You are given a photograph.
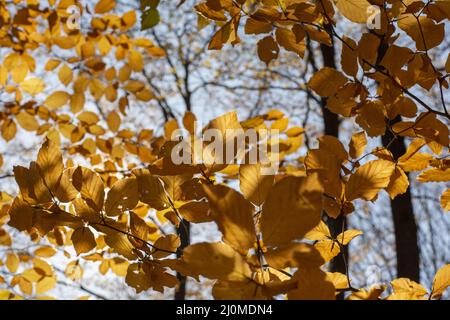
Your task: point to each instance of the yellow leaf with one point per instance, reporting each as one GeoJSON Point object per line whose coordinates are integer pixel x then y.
{"type": "Point", "coordinates": [77, 101]}
{"type": "Point", "coordinates": [90, 185]}
{"type": "Point", "coordinates": [398, 184]}
{"type": "Point", "coordinates": [104, 6]}
{"type": "Point", "coordinates": [312, 284]}
{"type": "Point", "coordinates": [32, 86]}
{"type": "Point", "coordinates": [12, 262]}
{"type": "Point", "coordinates": [120, 243]}
{"type": "Point", "coordinates": [113, 121]}
{"type": "Point", "coordinates": [50, 164]}
{"type": "Point", "coordinates": [327, 81]}
{"type": "Point", "coordinates": [9, 129]}
{"type": "Point", "coordinates": [354, 10]}
{"type": "Point", "coordinates": [122, 196]}
{"type": "Point", "coordinates": [405, 289]}
{"type": "Point", "coordinates": [66, 192]}
{"type": "Point", "coordinates": [424, 31]}
{"type": "Point", "coordinates": [139, 227]}
{"type": "Point", "coordinates": [369, 179]}
{"type": "Point", "coordinates": [441, 282]}
{"type": "Point", "coordinates": [268, 49]}
{"type": "Point", "coordinates": [136, 61]}
{"type": "Point", "coordinates": [357, 145]}
{"type": "Point", "coordinates": [151, 189]}
{"type": "Point", "coordinates": [46, 284]}
{"type": "Point", "coordinates": [295, 255]}
{"type": "Point", "coordinates": [253, 26]}
{"type": "Point", "coordinates": [347, 236]}
{"type": "Point", "coordinates": [170, 243]}
{"type": "Point", "coordinates": [286, 39]}
{"type": "Point", "coordinates": [233, 215]}
{"type": "Point", "coordinates": [434, 175]}
{"type": "Point", "coordinates": [254, 184]}
{"type": "Point", "coordinates": [216, 261]}
{"type": "Point", "coordinates": [27, 121]}
{"type": "Point", "coordinates": [349, 60]}
{"type": "Point", "coordinates": [445, 200]}
{"type": "Point", "coordinates": [196, 212]}
{"type": "Point", "coordinates": [83, 240]}
{"type": "Point", "coordinates": [45, 252]}
{"type": "Point", "coordinates": [292, 208]}
{"type": "Point", "coordinates": [57, 99]}
{"type": "Point", "coordinates": [65, 75]}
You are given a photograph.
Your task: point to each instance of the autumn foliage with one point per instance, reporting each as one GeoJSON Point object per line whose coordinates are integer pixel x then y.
{"type": "Point", "coordinates": [97, 186]}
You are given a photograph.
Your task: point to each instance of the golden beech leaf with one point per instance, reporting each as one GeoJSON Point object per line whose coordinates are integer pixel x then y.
{"type": "Point", "coordinates": [32, 86]}
{"type": "Point", "coordinates": [113, 120]}
{"type": "Point", "coordinates": [104, 6]}
{"type": "Point", "coordinates": [357, 145]}
{"type": "Point", "coordinates": [90, 185]}
{"type": "Point", "coordinates": [169, 243]}
{"type": "Point", "coordinates": [295, 255]}
{"type": "Point", "coordinates": [12, 262]}
{"type": "Point", "coordinates": [320, 232]}
{"type": "Point", "coordinates": [196, 212]}
{"type": "Point", "coordinates": [65, 75]}
{"type": "Point", "coordinates": [434, 175]}
{"type": "Point", "coordinates": [120, 243]}
{"type": "Point", "coordinates": [254, 184]}
{"type": "Point", "coordinates": [66, 192]}
{"type": "Point", "coordinates": [345, 237]}
{"type": "Point", "coordinates": [233, 215]}
{"type": "Point", "coordinates": [398, 184]}
{"type": "Point", "coordinates": [405, 289]}
{"type": "Point", "coordinates": [45, 252]}
{"type": "Point", "coordinates": [268, 49]}
{"type": "Point", "coordinates": [27, 121]}
{"type": "Point", "coordinates": [136, 61]}
{"type": "Point", "coordinates": [57, 99]}
{"type": "Point", "coordinates": [413, 160]}
{"type": "Point", "coordinates": [77, 101]}
{"type": "Point", "coordinates": [373, 293]}
{"type": "Point", "coordinates": [369, 179]}
{"type": "Point", "coordinates": [441, 282]}
{"type": "Point", "coordinates": [286, 39]}
{"type": "Point", "coordinates": [122, 196]}
{"type": "Point", "coordinates": [50, 163]}
{"type": "Point", "coordinates": [151, 189]}
{"type": "Point", "coordinates": [327, 81]}
{"type": "Point", "coordinates": [21, 215]}
{"type": "Point", "coordinates": [9, 129]}
{"type": "Point", "coordinates": [216, 261]}
{"type": "Point", "coordinates": [292, 208]}
{"type": "Point", "coordinates": [354, 10]}
{"type": "Point", "coordinates": [253, 26]}
{"type": "Point", "coordinates": [139, 227]}
{"type": "Point", "coordinates": [445, 200]}
{"type": "Point", "coordinates": [447, 64]}
{"type": "Point", "coordinates": [423, 30]}
{"type": "Point", "coordinates": [83, 240]}
{"type": "Point", "coordinates": [46, 284]}
{"type": "Point", "coordinates": [349, 60]}
{"type": "Point", "coordinates": [312, 284]}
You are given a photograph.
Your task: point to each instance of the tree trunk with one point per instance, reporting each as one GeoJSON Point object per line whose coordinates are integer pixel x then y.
{"type": "Point", "coordinates": [405, 227]}
{"type": "Point", "coordinates": [184, 232]}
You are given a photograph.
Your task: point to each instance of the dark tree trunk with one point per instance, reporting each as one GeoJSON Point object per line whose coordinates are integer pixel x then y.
{"type": "Point", "coordinates": [405, 227]}
{"type": "Point", "coordinates": [184, 232]}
